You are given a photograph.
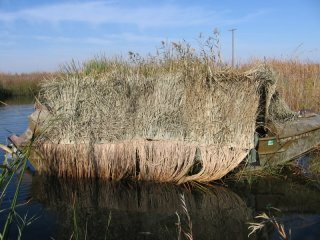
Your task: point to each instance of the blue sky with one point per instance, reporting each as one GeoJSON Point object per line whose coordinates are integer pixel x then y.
{"type": "Point", "coordinates": [41, 35]}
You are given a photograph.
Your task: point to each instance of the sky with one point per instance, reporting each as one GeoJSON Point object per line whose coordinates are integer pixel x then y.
{"type": "Point", "coordinates": [42, 35]}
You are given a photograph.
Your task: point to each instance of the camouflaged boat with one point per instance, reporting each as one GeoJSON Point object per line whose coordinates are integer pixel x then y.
{"type": "Point", "coordinates": [281, 134]}
{"type": "Point", "coordinates": [289, 140]}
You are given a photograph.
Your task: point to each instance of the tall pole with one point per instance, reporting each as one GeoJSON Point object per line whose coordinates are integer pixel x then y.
{"type": "Point", "coordinates": [232, 31]}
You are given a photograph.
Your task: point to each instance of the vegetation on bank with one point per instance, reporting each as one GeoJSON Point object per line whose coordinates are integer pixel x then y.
{"type": "Point", "coordinates": [298, 81]}
{"type": "Point", "coordinates": [12, 170]}
{"type": "Point", "coordinates": [17, 85]}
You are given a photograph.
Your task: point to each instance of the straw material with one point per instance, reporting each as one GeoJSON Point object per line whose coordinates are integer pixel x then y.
{"type": "Point", "coordinates": [273, 107]}
{"type": "Point", "coordinates": [160, 125]}
{"type": "Point", "coordinates": [279, 111]}
{"type": "Point", "coordinates": [161, 161]}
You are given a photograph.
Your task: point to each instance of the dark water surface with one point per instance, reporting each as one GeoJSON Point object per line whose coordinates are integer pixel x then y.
{"type": "Point", "coordinates": [128, 210]}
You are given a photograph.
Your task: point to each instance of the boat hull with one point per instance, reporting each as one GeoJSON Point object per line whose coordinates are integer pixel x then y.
{"type": "Point", "coordinates": [300, 138]}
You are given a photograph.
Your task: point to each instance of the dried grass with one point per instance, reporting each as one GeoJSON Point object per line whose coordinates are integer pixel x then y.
{"type": "Point", "coordinates": [161, 161]}
{"type": "Point", "coordinates": [298, 82]}
{"type": "Point", "coordinates": [175, 117]}
{"type": "Point", "coordinates": [25, 84]}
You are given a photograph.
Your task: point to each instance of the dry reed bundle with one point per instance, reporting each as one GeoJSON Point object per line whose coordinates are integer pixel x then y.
{"type": "Point", "coordinates": [178, 119]}
{"type": "Point", "coordinates": [162, 161]}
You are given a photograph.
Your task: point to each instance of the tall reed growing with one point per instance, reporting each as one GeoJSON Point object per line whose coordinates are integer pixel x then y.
{"type": "Point", "coordinates": [13, 170]}
{"type": "Point", "coordinates": [298, 81]}
{"type": "Point", "coordinates": [24, 84]}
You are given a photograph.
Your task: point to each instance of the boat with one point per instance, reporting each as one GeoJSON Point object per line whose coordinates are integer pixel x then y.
{"type": "Point", "coordinates": [287, 141]}
{"type": "Point", "coordinates": [281, 135]}
{"type": "Point", "coordinates": [278, 143]}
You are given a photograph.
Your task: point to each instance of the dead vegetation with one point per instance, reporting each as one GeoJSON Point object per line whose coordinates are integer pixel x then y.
{"type": "Point", "coordinates": [178, 116]}
{"type": "Point", "coordinates": [298, 81]}
{"type": "Point", "coordinates": [24, 84]}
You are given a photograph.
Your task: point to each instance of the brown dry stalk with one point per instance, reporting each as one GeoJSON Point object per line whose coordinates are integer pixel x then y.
{"type": "Point", "coordinates": [162, 161]}
{"type": "Point", "coordinates": [177, 118]}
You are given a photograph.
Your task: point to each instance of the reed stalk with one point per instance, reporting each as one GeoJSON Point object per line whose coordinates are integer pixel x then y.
{"type": "Point", "coordinates": [177, 116]}
{"type": "Point", "coordinates": [6, 177]}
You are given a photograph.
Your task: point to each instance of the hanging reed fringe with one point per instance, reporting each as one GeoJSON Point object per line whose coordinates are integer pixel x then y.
{"type": "Point", "coordinates": [162, 161]}
{"type": "Point", "coordinates": [175, 119]}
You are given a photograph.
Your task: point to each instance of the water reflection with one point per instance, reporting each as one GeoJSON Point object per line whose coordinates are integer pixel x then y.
{"type": "Point", "coordinates": [297, 200]}
{"type": "Point", "coordinates": [140, 210]}
{"type": "Point", "coordinates": [13, 119]}
{"type": "Point", "coordinates": [147, 211]}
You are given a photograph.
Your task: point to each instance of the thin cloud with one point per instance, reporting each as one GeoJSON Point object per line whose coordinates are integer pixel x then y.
{"type": "Point", "coordinates": [132, 37]}
{"type": "Point", "coordinates": [248, 17]}
{"type": "Point", "coordinates": [103, 40]}
{"type": "Point", "coordinates": [70, 40]}
{"type": "Point", "coordinates": [98, 12]}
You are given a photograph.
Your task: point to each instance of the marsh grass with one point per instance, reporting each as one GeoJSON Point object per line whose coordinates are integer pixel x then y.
{"type": "Point", "coordinates": [250, 174]}
{"type": "Point", "coordinates": [184, 222]}
{"type": "Point", "coordinates": [13, 170]}
{"type": "Point", "coordinates": [25, 84]}
{"type": "Point", "coordinates": [265, 219]}
{"type": "Point", "coordinates": [298, 81]}
{"type": "Point", "coordinates": [80, 229]}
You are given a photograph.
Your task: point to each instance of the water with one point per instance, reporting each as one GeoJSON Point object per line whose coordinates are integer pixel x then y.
{"type": "Point", "coordinates": [129, 210]}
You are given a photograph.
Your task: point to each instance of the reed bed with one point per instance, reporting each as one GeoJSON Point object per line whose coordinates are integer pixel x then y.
{"type": "Point", "coordinates": [178, 116]}
{"type": "Point", "coordinates": [298, 82]}
{"type": "Point", "coordinates": [24, 84]}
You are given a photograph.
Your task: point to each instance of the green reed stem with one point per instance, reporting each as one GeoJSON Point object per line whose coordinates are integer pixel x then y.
{"type": "Point", "coordinates": [14, 201]}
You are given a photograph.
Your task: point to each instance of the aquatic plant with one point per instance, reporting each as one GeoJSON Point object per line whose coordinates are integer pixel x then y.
{"type": "Point", "coordinates": [4, 93]}
{"type": "Point", "coordinates": [24, 84]}
{"type": "Point", "coordinates": [298, 81]}
{"type": "Point", "coordinates": [187, 232]}
{"type": "Point", "coordinates": [269, 219]}
{"type": "Point", "coordinates": [11, 170]}
{"type": "Point", "coordinates": [251, 174]}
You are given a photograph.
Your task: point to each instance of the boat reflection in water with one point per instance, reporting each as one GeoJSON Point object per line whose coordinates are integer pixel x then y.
{"type": "Point", "coordinates": [131, 210]}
